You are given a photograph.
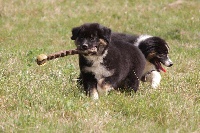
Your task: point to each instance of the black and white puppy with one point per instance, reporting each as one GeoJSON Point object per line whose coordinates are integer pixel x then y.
{"type": "Point", "coordinates": [114, 62]}
{"type": "Point", "coordinates": [155, 50]}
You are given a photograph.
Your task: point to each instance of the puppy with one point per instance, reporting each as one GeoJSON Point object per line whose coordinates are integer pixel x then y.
{"type": "Point", "coordinates": [155, 50]}
{"type": "Point", "coordinates": [114, 62]}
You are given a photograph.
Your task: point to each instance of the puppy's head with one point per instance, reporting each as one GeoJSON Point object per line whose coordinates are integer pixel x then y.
{"type": "Point", "coordinates": [91, 37]}
{"type": "Point", "coordinates": [156, 51]}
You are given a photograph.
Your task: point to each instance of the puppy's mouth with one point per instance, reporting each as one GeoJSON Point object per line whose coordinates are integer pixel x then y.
{"type": "Point", "coordinates": [89, 51]}
{"type": "Point", "coordinates": [159, 66]}
{"type": "Point", "coordinates": [93, 50]}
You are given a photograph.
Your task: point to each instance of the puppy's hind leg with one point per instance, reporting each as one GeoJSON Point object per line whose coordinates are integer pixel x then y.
{"type": "Point", "coordinates": [134, 85]}
{"type": "Point", "coordinates": [132, 82]}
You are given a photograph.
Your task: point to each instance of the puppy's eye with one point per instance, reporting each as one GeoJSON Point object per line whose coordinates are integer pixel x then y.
{"type": "Point", "coordinates": [81, 37]}
{"type": "Point", "coordinates": [92, 39]}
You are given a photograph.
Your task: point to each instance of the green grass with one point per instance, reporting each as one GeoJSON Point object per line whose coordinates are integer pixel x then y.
{"type": "Point", "coordinates": [47, 99]}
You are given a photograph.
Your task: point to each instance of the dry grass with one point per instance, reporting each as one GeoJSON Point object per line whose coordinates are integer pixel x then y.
{"type": "Point", "coordinates": [47, 99]}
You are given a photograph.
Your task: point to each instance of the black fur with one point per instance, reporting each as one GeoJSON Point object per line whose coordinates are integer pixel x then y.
{"type": "Point", "coordinates": [153, 45]}
{"type": "Point", "coordinates": [155, 50]}
{"type": "Point", "coordinates": [122, 61]}
{"type": "Point", "coordinates": [156, 45]}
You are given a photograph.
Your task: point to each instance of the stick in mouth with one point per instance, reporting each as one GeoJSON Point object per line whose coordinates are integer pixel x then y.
{"type": "Point", "coordinates": [42, 58]}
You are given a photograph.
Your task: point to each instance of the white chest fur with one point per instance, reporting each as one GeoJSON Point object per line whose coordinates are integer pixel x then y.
{"type": "Point", "coordinates": [154, 77]}
{"type": "Point", "coordinates": [97, 68]}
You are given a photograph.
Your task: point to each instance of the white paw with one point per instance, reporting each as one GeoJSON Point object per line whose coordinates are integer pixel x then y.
{"type": "Point", "coordinates": [154, 85]}
{"type": "Point", "coordinates": [156, 78]}
{"type": "Point", "coordinates": [94, 95]}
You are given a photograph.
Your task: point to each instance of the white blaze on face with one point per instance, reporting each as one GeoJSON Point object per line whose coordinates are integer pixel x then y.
{"type": "Point", "coordinates": [141, 38]}
{"type": "Point", "coordinates": [167, 47]}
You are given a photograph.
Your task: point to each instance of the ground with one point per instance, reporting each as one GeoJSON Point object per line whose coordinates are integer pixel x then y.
{"type": "Point", "coordinates": [47, 99]}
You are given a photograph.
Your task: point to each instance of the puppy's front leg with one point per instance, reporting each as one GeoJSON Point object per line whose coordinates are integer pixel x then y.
{"type": "Point", "coordinates": [93, 93]}
{"type": "Point", "coordinates": [154, 78]}
{"type": "Point", "coordinates": [104, 86]}
{"type": "Point", "coordinates": [90, 85]}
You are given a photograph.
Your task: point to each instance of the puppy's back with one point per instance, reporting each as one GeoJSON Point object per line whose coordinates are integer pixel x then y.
{"type": "Point", "coordinates": [124, 37]}
{"type": "Point", "coordinates": [128, 58]}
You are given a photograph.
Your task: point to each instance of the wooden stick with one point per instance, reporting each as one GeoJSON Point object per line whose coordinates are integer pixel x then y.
{"type": "Point", "coordinates": [42, 58]}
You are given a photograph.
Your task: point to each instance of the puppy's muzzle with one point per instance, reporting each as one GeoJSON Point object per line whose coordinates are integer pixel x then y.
{"type": "Point", "coordinates": [171, 64]}
{"type": "Point", "coordinates": [85, 46]}
{"type": "Point", "coordinates": [168, 63]}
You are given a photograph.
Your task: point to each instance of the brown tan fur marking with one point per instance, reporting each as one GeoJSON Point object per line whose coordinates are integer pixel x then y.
{"type": "Point", "coordinates": [103, 87]}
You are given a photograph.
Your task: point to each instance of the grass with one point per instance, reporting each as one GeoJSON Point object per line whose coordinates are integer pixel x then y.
{"type": "Point", "coordinates": [47, 99]}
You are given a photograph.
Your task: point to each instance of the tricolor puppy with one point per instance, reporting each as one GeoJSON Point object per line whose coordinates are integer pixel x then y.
{"type": "Point", "coordinates": [114, 62]}
{"type": "Point", "coordinates": [155, 50]}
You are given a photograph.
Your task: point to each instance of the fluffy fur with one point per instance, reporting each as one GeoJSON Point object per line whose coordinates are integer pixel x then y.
{"type": "Point", "coordinates": [155, 50]}
{"type": "Point", "coordinates": [115, 63]}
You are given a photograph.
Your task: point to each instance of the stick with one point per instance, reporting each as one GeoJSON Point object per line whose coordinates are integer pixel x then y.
{"type": "Point", "coordinates": [42, 58]}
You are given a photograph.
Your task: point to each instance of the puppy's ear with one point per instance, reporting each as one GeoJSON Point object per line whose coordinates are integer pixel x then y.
{"type": "Point", "coordinates": [106, 33]}
{"type": "Point", "coordinates": [75, 32]}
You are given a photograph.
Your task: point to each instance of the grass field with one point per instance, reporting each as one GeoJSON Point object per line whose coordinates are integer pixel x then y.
{"type": "Point", "coordinates": [47, 99]}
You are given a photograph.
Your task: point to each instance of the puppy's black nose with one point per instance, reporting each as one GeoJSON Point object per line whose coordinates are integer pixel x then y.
{"type": "Point", "coordinates": [85, 46]}
{"type": "Point", "coordinates": [171, 64]}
